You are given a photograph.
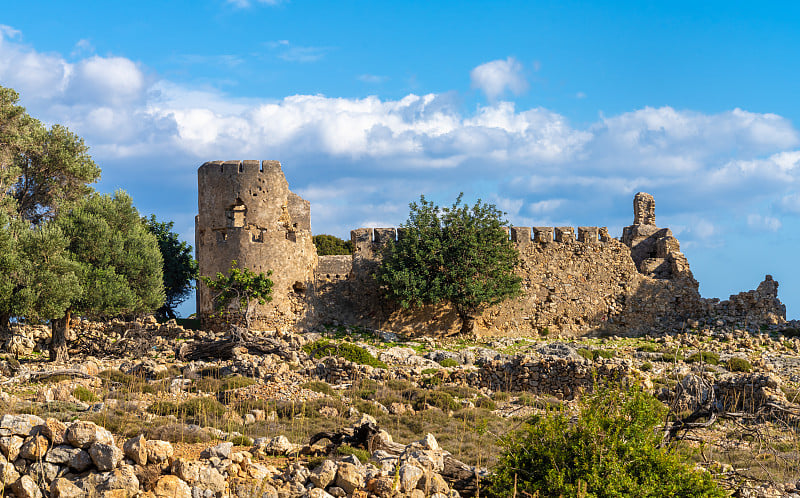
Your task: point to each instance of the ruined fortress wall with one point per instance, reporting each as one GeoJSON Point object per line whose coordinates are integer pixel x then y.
{"type": "Point", "coordinates": [574, 281]}
{"type": "Point", "coordinates": [571, 285]}
{"type": "Point", "coordinates": [248, 214]}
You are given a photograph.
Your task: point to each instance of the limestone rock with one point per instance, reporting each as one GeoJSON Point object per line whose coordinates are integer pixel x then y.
{"type": "Point", "coordinates": [82, 434]}
{"type": "Point", "coordinates": [10, 446]}
{"type": "Point", "coordinates": [349, 477]}
{"type": "Point", "coordinates": [432, 483]}
{"type": "Point", "coordinates": [410, 475]}
{"type": "Point", "coordinates": [159, 451]}
{"type": "Point", "coordinates": [20, 425]}
{"type": "Point", "coordinates": [170, 486]}
{"type": "Point", "coordinates": [34, 448]}
{"type": "Point", "coordinates": [221, 451]}
{"type": "Point", "coordinates": [62, 454]}
{"type": "Point", "coordinates": [135, 448]}
{"type": "Point", "coordinates": [26, 487]}
{"type": "Point", "coordinates": [319, 493]}
{"type": "Point", "coordinates": [324, 474]}
{"type": "Point", "coordinates": [105, 456]}
{"type": "Point", "coordinates": [54, 430]}
{"type": "Point", "coordinates": [64, 488]}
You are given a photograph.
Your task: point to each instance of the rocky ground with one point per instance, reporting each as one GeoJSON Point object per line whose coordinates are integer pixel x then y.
{"type": "Point", "coordinates": [149, 409]}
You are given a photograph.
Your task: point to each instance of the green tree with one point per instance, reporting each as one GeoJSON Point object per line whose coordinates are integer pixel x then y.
{"type": "Point", "coordinates": [119, 265]}
{"type": "Point", "coordinates": [41, 170]}
{"type": "Point", "coordinates": [459, 255]}
{"type": "Point", "coordinates": [180, 268]}
{"type": "Point", "coordinates": [242, 288]}
{"type": "Point", "coordinates": [331, 245]}
{"type": "Point", "coordinates": [610, 449]}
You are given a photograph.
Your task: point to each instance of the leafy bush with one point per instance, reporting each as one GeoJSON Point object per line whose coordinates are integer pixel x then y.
{"type": "Point", "coordinates": [704, 357]}
{"type": "Point", "coordinates": [202, 407]}
{"type": "Point", "coordinates": [486, 403]}
{"type": "Point", "coordinates": [593, 354]}
{"type": "Point", "coordinates": [84, 394]}
{"type": "Point", "coordinates": [346, 449]}
{"type": "Point", "coordinates": [739, 365]}
{"type": "Point", "coordinates": [332, 245]}
{"type": "Point", "coordinates": [163, 408]}
{"type": "Point", "coordinates": [448, 362]}
{"type": "Point", "coordinates": [610, 449]}
{"type": "Point", "coordinates": [319, 387]}
{"type": "Point", "coordinates": [350, 352]}
{"type": "Point", "coordinates": [242, 441]}
{"type": "Point", "coordinates": [646, 366]}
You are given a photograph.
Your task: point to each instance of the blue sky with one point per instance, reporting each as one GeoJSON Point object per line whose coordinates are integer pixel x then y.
{"type": "Point", "coordinates": [558, 112]}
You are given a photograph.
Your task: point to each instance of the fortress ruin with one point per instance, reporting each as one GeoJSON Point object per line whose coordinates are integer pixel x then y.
{"type": "Point", "coordinates": [574, 282]}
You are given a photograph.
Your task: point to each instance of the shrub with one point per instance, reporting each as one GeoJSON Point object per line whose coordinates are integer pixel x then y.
{"type": "Point", "coordinates": [202, 407]}
{"type": "Point", "coordinates": [350, 352]}
{"type": "Point", "coordinates": [163, 408]}
{"type": "Point", "coordinates": [242, 441]}
{"type": "Point", "coordinates": [448, 362]}
{"type": "Point", "coordinates": [704, 357]}
{"type": "Point", "coordinates": [610, 449]}
{"type": "Point", "coordinates": [84, 394]}
{"type": "Point", "coordinates": [319, 387]}
{"type": "Point", "coordinates": [739, 365]}
{"type": "Point", "coordinates": [486, 403]}
{"type": "Point", "coordinates": [648, 348]}
{"type": "Point", "coordinates": [593, 354]}
{"type": "Point", "coordinates": [346, 449]}
{"type": "Point", "coordinates": [646, 367]}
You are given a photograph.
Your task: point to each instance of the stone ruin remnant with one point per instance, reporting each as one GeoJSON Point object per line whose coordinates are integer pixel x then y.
{"type": "Point", "coordinates": [575, 280]}
{"type": "Point", "coordinates": [655, 251]}
{"type": "Point", "coordinates": [248, 214]}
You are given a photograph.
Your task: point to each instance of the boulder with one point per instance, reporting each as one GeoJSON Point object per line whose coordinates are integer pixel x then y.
{"type": "Point", "coordinates": [410, 475]}
{"type": "Point", "coordinates": [54, 430]}
{"type": "Point", "coordinates": [82, 434]}
{"type": "Point", "coordinates": [105, 456]}
{"type": "Point", "coordinates": [20, 425]}
{"type": "Point", "coordinates": [169, 486]}
{"type": "Point", "coordinates": [34, 447]}
{"type": "Point", "coordinates": [159, 451]}
{"type": "Point", "coordinates": [26, 487]}
{"type": "Point", "coordinates": [135, 448]}
{"type": "Point", "coordinates": [349, 477]}
{"type": "Point", "coordinates": [324, 474]}
{"type": "Point", "coordinates": [221, 451]}
{"type": "Point", "coordinates": [10, 446]}
{"type": "Point", "coordinates": [64, 488]}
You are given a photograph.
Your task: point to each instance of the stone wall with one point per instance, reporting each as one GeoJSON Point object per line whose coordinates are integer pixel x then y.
{"type": "Point", "coordinates": [574, 280]}
{"type": "Point", "coordinates": [571, 285]}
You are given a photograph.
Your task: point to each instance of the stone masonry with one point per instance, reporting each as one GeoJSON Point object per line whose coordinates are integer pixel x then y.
{"type": "Point", "coordinates": [574, 281]}
{"type": "Point", "coordinates": [248, 214]}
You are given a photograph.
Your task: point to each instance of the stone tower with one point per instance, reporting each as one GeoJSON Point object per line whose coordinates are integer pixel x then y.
{"type": "Point", "coordinates": [248, 214]}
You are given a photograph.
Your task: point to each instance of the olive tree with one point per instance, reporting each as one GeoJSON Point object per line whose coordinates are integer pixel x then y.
{"type": "Point", "coordinates": [459, 255]}
{"type": "Point", "coordinates": [241, 288]}
{"type": "Point", "coordinates": [118, 263]}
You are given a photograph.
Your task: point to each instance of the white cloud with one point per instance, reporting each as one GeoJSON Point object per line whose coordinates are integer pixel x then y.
{"type": "Point", "coordinates": [496, 77]}
{"type": "Point", "coordinates": [242, 4]}
{"type": "Point", "coordinates": [765, 223]}
{"type": "Point", "coordinates": [297, 53]}
{"type": "Point", "coordinates": [372, 78]}
{"type": "Point", "coordinates": [9, 33]}
{"type": "Point", "coordinates": [384, 152]}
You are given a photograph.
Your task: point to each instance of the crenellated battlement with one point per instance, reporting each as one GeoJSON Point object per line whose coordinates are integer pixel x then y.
{"type": "Point", "coordinates": [244, 167]}
{"type": "Point", "coordinates": [369, 240]}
